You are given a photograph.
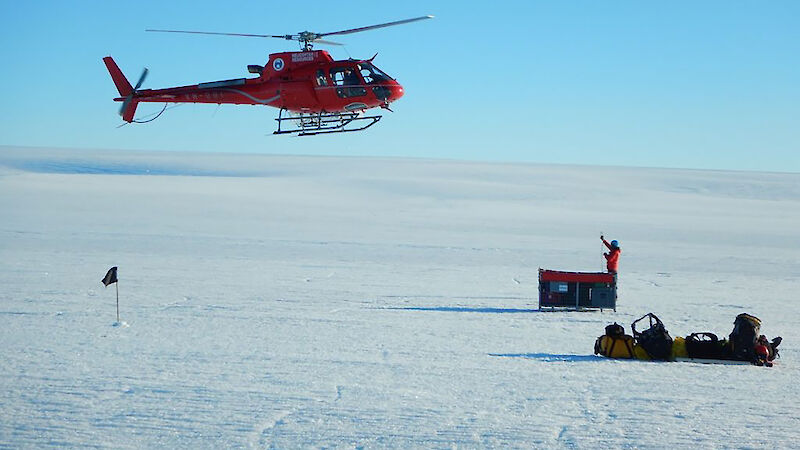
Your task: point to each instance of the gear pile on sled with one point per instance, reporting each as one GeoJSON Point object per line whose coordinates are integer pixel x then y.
{"type": "Point", "coordinates": [744, 345]}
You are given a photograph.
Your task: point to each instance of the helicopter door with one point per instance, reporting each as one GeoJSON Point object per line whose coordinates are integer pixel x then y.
{"type": "Point", "coordinates": [348, 82]}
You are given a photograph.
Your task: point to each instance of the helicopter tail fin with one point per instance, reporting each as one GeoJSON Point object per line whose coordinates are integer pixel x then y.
{"type": "Point", "coordinates": [123, 85]}
{"type": "Point", "coordinates": [129, 110]}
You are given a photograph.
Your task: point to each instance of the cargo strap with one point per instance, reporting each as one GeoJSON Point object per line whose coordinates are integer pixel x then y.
{"type": "Point", "coordinates": [627, 346]}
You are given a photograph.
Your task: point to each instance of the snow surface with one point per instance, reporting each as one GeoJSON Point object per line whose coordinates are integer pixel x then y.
{"type": "Point", "coordinates": [280, 301]}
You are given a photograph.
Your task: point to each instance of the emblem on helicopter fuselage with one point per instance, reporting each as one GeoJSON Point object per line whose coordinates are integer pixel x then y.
{"type": "Point", "coordinates": [278, 64]}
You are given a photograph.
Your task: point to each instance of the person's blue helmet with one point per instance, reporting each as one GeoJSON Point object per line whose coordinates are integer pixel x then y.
{"type": "Point", "coordinates": [614, 243]}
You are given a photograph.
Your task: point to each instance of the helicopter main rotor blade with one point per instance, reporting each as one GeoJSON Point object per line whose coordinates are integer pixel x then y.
{"type": "Point", "coordinates": [372, 27]}
{"type": "Point", "coordinates": [223, 34]}
{"type": "Point", "coordinates": [305, 37]}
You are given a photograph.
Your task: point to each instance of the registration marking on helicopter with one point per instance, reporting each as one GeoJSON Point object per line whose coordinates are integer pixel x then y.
{"type": "Point", "coordinates": [304, 57]}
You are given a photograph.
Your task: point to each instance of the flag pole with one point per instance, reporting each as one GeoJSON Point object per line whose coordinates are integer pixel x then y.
{"type": "Point", "coordinates": [117, 286]}
{"type": "Point", "coordinates": [111, 277]}
{"type": "Point", "coordinates": [602, 250]}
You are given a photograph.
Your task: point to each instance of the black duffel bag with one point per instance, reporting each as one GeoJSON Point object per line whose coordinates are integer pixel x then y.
{"type": "Point", "coordinates": [706, 346]}
{"type": "Point", "coordinates": [655, 340]}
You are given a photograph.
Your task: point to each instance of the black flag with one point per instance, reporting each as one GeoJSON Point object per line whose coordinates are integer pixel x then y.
{"type": "Point", "coordinates": [111, 276]}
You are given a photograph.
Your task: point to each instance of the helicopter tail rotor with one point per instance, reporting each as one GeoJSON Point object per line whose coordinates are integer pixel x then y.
{"type": "Point", "coordinates": [128, 108]}
{"type": "Point", "coordinates": [128, 92]}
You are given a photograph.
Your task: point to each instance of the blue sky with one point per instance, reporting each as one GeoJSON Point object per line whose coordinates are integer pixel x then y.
{"type": "Point", "coordinates": [709, 84]}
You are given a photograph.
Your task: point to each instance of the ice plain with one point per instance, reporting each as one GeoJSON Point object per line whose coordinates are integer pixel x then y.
{"type": "Point", "coordinates": [296, 302]}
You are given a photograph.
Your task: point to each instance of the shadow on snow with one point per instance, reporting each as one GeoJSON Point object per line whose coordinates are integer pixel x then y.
{"type": "Point", "coordinates": [548, 357]}
{"type": "Point", "coordinates": [467, 309]}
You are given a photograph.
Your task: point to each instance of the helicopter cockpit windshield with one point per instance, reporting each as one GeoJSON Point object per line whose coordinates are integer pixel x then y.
{"type": "Point", "coordinates": [372, 74]}
{"type": "Point", "coordinates": [349, 84]}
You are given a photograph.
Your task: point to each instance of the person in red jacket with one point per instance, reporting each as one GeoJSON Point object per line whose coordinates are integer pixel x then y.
{"type": "Point", "coordinates": [612, 257]}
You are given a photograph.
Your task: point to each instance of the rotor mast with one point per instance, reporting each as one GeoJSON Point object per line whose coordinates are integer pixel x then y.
{"type": "Point", "coordinates": [306, 38]}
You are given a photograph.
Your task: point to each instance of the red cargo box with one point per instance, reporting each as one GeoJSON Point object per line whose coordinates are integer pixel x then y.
{"type": "Point", "coordinates": [577, 290]}
{"type": "Point", "coordinates": [576, 277]}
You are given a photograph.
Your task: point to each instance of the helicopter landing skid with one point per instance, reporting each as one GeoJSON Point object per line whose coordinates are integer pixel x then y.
{"type": "Point", "coordinates": [309, 124]}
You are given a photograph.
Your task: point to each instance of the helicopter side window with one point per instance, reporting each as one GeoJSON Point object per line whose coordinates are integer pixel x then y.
{"type": "Point", "coordinates": [337, 77]}
{"type": "Point", "coordinates": [321, 80]}
{"type": "Point", "coordinates": [366, 74]}
{"type": "Point", "coordinates": [350, 78]}
{"type": "Point", "coordinates": [344, 76]}
{"type": "Point", "coordinates": [349, 81]}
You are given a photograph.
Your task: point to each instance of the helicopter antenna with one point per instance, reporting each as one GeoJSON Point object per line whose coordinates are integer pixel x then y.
{"type": "Point", "coordinates": [344, 47]}
{"type": "Point", "coordinates": [306, 38]}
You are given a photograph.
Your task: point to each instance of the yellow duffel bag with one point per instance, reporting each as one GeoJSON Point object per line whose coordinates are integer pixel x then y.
{"type": "Point", "coordinates": [679, 348]}
{"type": "Point", "coordinates": [640, 353]}
{"type": "Point", "coordinates": [620, 347]}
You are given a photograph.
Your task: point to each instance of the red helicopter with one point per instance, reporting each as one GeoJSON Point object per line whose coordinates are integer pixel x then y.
{"type": "Point", "coordinates": [314, 92]}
